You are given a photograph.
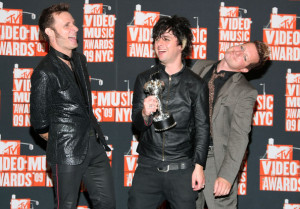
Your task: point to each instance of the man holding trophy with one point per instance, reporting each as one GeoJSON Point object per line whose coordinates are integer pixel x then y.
{"type": "Point", "coordinates": [170, 110]}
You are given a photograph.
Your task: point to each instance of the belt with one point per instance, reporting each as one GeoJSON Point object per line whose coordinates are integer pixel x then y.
{"type": "Point", "coordinates": [174, 166]}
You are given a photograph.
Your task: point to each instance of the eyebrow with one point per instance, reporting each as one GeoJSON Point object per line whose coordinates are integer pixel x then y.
{"type": "Point", "coordinates": [71, 22]}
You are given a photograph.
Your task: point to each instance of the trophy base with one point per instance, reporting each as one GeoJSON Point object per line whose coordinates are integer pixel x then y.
{"type": "Point", "coordinates": [163, 125]}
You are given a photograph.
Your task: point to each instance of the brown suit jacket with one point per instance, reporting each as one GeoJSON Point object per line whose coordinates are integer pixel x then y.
{"type": "Point", "coordinates": [231, 121]}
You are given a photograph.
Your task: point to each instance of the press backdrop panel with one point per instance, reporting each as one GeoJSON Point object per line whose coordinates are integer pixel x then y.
{"type": "Point", "coordinates": [116, 38]}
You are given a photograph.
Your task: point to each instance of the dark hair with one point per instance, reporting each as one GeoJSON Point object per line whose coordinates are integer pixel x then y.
{"type": "Point", "coordinates": [179, 26]}
{"type": "Point", "coordinates": [263, 51]}
{"type": "Point", "coordinates": [46, 19]}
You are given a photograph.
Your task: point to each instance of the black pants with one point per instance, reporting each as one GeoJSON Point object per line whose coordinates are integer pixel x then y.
{"type": "Point", "coordinates": [151, 187]}
{"type": "Point", "coordinates": [95, 172]}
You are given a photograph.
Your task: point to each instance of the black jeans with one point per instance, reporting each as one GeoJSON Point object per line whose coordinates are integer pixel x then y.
{"type": "Point", "coordinates": [151, 187]}
{"type": "Point", "coordinates": [95, 172]}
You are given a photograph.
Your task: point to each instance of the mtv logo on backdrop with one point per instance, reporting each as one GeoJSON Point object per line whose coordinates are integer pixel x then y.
{"type": "Point", "coordinates": [228, 11]}
{"type": "Point", "coordinates": [145, 18]}
{"type": "Point", "coordinates": [292, 77]}
{"type": "Point", "coordinates": [282, 152]}
{"type": "Point", "coordinates": [282, 21]}
{"type": "Point", "coordinates": [11, 16]}
{"type": "Point", "coordinates": [288, 205]}
{"type": "Point", "coordinates": [93, 8]}
{"type": "Point", "coordinates": [22, 72]}
{"type": "Point", "coordinates": [10, 147]}
{"type": "Point", "coordinates": [22, 203]}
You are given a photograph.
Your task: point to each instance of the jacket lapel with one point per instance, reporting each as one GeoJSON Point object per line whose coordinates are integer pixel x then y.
{"type": "Point", "coordinates": [82, 77]}
{"type": "Point", "coordinates": [59, 65]}
{"type": "Point", "coordinates": [70, 76]}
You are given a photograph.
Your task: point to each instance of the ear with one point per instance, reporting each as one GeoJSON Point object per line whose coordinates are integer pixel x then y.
{"type": "Point", "coordinates": [244, 70]}
{"type": "Point", "coordinates": [49, 32]}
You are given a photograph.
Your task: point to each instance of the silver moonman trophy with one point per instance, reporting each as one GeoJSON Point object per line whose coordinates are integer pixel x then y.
{"type": "Point", "coordinates": [162, 121]}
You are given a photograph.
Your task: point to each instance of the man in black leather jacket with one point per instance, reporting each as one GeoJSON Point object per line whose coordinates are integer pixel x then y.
{"type": "Point", "coordinates": [171, 162]}
{"type": "Point", "coordinates": [61, 112]}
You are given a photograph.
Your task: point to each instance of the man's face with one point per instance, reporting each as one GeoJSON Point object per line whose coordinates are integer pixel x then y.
{"type": "Point", "coordinates": [167, 49]}
{"type": "Point", "coordinates": [64, 32]}
{"type": "Point", "coordinates": [239, 57]}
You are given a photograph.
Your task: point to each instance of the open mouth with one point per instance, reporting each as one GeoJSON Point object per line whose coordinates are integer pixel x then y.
{"type": "Point", "coordinates": [73, 39]}
{"type": "Point", "coordinates": [160, 52]}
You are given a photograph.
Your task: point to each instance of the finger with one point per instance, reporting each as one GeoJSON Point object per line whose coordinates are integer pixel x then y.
{"type": "Point", "coordinates": [197, 187]}
{"type": "Point", "coordinates": [218, 190]}
{"type": "Point", "coordinates": [193, 183]}
{"type": "Point", "coordinates": [216, 187]}
{"type": "Point", "coordinates": [227, 190]}
{"type": "Point", "coordinates": [221, 191]}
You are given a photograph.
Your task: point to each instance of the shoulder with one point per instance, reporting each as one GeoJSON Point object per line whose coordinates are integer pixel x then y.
{"type": "Point", "coordinates": [149, 72]}
{"type": "Point", "coordinates": [192, 77]}
{"type": "Point", "coordinates": [243, 85]}
{"type": "Point", "coordinates": [242, 81]}
{"type": "Point", "coordinates": [201, 64]}
{"type": "Point", "coordinates": [45, 65]}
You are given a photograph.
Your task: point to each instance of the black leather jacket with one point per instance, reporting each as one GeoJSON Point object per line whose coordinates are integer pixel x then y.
{"type": "Point", "coordinates": [186, 97]}
{"type": "Point", "coordinates": [57, 107]}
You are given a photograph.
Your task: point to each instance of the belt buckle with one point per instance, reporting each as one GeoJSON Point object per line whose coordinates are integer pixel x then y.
{"type": "Point", "coordinates": [163, 170]}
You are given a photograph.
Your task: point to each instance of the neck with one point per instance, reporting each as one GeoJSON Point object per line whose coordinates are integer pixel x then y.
{"type": "Point", "coordinates": [223, 66]}
{"type": "Point", "coordinates": [66, 52]}
{"type": "Point", "coordinates": [173, 68]}
{"type": "Point", "coordinates": [64, 57]}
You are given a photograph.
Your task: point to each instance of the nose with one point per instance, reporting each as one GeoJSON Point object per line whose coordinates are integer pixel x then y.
{"type": "Point", "coordinates": [75, 28]}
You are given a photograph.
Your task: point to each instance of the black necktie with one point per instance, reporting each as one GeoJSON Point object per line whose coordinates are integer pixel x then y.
{"type": "Point", "coordinates": [77, 79]}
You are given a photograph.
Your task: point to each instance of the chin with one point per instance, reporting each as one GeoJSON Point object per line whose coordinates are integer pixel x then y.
{"type": "Point", "coordinates": [75, 46]}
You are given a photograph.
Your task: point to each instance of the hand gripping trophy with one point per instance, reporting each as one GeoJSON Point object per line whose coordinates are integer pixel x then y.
{"type": "Point", "coordinates": [162, 121]}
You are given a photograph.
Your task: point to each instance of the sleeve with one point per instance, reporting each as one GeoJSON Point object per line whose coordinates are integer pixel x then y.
{"type": "Point", "coordinates": [238, 136]}
{"type": "Point", "coordinates": [39, 102]}
{"type": "Point", "coordinates": [137, 106]}
{"type": "Point", "coordinates": [202, 134]}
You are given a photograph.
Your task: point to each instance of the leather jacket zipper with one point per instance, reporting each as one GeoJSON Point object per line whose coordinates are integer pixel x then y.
{"type": "Point", "coordinates": [164, 138]}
